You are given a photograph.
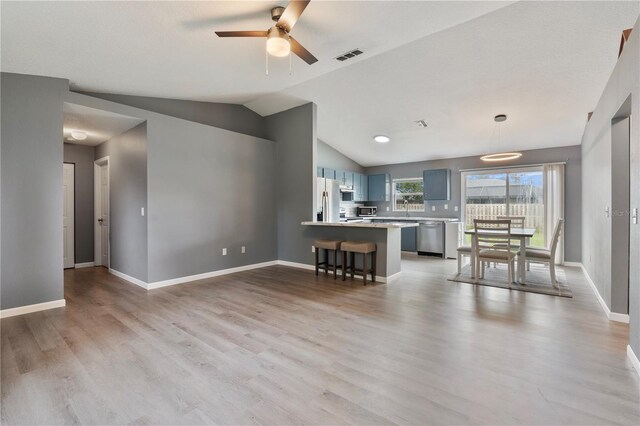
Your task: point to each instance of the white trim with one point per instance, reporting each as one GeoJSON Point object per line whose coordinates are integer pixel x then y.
{"type": "Point", "coordinates": [129, 278]}
{"type": "Point", "coordinates": [84, 265]}
{"type": "Point", "coordinates": [21, 310]}
{"type": "Point", "coordinates": [296, 265]}
{"type": "Point", "coordinates": [572, 264]}
{"type": "Point", "coordinates": [97, 202]}
{"type": "Point", "coordinates": [190, 278]}
{"type": "Point", "coordinates": [182, 280]}
{"type": "Point", "coordinates": [612, 316]}
{"type": "Point", "coordinates": [338, 272]}
{"type": "Point", "coordinates": [634, 359]}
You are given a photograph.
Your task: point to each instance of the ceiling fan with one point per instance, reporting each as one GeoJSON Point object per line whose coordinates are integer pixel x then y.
{"type": "Point", "coordinates": [279, 42]}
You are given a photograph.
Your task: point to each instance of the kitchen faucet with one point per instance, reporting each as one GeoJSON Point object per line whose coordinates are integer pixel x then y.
{"type": "Point", "coordinates": [406, 206]}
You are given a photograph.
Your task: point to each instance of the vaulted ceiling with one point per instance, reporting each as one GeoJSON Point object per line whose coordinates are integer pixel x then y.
{"type": "Point", "coordinates": [453, 64]}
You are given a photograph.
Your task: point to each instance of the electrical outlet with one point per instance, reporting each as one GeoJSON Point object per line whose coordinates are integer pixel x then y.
{"type": "Point", "coordinates": [455, 209]}
{"type": "Point", "coordinates": [243, 249]}
{"type": "Point", "coordinates": [446, 206]}
{"type": "Point", "coordinates": [224, 251]}
{"type": "Point", "coordinates": [433, 208]}
{"type": "Point", "coordinates": [387, 208]}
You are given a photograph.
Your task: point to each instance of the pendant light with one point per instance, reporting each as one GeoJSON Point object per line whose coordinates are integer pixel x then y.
{"type": "Point", "coordinates": [501, 156]}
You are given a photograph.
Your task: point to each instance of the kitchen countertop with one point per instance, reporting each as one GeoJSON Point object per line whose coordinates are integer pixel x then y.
{"type": "Point", "coordinates": [387, 225]}
{"type": "Point", "coordinates": [413, 218]}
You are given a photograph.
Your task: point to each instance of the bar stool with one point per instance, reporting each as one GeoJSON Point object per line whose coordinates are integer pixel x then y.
{"type": "Point", "coordinates": [363, 247]}
{"type": "Point", "coordinates": [327, 245]}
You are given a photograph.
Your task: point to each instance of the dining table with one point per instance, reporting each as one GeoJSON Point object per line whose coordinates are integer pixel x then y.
{"type": "Point", "coordinates": [520, 234]}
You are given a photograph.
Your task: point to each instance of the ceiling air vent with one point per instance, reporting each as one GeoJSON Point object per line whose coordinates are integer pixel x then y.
{"type": "Point", "coordinates": [350, 54]}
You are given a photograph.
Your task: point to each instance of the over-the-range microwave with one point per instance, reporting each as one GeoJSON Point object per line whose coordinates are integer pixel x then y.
{"type": "Point", "coordinates": [367, 211]}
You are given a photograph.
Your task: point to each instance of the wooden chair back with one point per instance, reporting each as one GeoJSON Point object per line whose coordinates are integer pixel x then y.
{"type": "Point", "coordinates": [492, 235]}
{"type": "Point", "coordinates": [516, 221]}
{"type": "Point", "coordinates": [556, 237]}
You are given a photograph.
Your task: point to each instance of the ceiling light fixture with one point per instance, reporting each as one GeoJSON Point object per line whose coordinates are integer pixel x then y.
{"type": "Point", "coordinates": [501, 156]}
{"type": "Point", "coordinates": [278, 42]}
{"type": "Point", "coordinates": [79, 136]}
{"type": "Point", "coordinates": [381, 138]}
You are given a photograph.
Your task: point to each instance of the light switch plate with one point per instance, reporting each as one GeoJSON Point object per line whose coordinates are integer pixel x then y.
{"type": "Point", "coordinates": [243, 249]}
{"type": "Point", "coordinates": [224, 251]}
{"type": "Point", "coordinates": [433, 208]}
{"type": "Point", "coordinates": [455, 209]}
{"type": "Point", "coordinates": [313, 249]}
{"type": "Point", "coordinates": [446, 206]}
{"type": "Point", "coordinates": [387, 208]}
{"type": "Point", "coordinates": [142, 211]}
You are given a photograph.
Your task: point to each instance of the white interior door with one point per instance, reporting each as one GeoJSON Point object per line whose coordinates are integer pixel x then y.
{"type": "Point", "coordinates": [68, 230]}
{"type": "Point", "coordinates": [101, 177]}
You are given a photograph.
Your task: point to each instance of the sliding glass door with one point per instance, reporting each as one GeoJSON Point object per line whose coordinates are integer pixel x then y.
{"type": "Point", "coordinates": [488, 194]}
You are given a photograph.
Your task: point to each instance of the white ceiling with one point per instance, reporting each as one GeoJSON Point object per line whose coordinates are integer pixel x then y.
{"type": "Point", "coordinates": [98, 125]}
{"type": "Point", "coordinates": [455, 64]}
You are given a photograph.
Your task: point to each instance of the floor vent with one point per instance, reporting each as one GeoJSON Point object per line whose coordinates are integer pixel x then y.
{"type": "Point", "coordinates": [350, 54]}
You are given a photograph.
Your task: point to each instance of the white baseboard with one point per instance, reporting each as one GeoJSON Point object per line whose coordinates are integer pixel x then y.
{"type": "Point", "coordinates": [634, 359]}
{"type": "Point", "coordinates": [84, 265]}
{"type": "Point", "coordinates": [612, 316]}
{"type": "Point", "coordinates": [21, 310]}
{"type": "Point", "coordinates": [182, 280]}
{"type": "Point", "coordinates": [129, 278]}
{"type": "Point", "coordinates": [339, 271]}
{"type": "Point", "coordinates": [572, 264]}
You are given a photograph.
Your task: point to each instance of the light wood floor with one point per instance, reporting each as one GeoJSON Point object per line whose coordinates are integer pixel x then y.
{"type": "Point", "coordinates": [280, 346]}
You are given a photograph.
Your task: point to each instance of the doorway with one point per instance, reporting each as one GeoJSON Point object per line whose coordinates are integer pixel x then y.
{"type": "Point", "coordinates": [68, 215]}
{"type": "Point", "coordinates": [101, 209]}
{"type": "Point", "coordinates": [620, 208]}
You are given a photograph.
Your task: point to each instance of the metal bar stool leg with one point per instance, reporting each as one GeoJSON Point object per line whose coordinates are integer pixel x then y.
{"type": "Point", "coordinates": [364, 268]}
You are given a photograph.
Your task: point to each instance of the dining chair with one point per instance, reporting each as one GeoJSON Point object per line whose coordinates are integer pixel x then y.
{"type": "Point", "coordinates": [547, 256]}
{"type": "Point", "coordinates": [516, 222]}
{"type": "Point", "coordinates": [492, 243]}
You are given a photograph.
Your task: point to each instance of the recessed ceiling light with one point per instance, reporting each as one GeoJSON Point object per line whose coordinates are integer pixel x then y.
{"type": "Point", "coordinates": [381, 138]}
{"type": "Point", "coordinates": [79, 136]}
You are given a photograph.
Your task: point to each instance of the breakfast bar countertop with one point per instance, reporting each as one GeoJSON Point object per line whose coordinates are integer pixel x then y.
{"type": "Point", "coordinates": [388, 225]}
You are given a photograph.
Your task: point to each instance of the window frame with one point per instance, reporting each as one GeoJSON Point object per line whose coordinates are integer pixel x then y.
{"type": "Point", "coordinates": [393, 193]}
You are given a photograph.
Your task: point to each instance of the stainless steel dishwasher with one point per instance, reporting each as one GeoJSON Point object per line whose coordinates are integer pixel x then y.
{"type": "Point", "coordinates": [431, 238]}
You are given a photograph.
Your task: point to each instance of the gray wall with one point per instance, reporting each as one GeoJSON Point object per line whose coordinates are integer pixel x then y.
{"type": "Point", "coordinates": [31, 174]}
{"type": "Point", "coordinates": [82, 156]}
{"type": "Point", "coordinates": [597, 180]}
{"type": "Point", "coordinates": [330, 157]}
{"type": "Point", "coordinates": [127, 195]}
{"type": "Point", "coordinates": [237, 118]}
{"type": "Point", "coordinates": [573, 187]}
{"type": "Point", "coordinates": [294, 132]}
{"type": "Point", "coordinates": [207, 189]}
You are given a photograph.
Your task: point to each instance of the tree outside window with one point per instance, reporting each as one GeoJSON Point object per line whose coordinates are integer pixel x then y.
{"type": "Point", "coordinates": [410, 191]}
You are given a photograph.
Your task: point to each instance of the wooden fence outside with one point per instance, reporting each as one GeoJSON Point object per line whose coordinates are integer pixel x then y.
{"type": "Point", "coordinates": [534, 213]}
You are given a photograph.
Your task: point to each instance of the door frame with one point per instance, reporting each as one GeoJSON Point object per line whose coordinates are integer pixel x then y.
{"type": "Point", "coordinates": [97, 202]}
{"type": "Point", "coordinates": [74, 212]}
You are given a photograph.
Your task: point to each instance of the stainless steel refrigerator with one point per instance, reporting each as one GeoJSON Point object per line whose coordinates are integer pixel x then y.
{"type": "Point", "coordinates": [328, 204]}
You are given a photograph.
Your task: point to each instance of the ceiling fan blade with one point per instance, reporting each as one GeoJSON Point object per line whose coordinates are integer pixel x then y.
{"type": "Point", "coordinates": [303, 53]}
{"type": "Point", "coordinates": [291, 14]}
{"type": "Point", "coordinates": [241, 33]}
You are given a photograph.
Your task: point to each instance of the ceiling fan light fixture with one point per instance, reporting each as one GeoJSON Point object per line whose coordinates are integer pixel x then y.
{"type": "Point", "coordinates": [79, 136]}
{"type": "Point", "coordinates": [381, 138]}
{"type": "Point", "coordinates": [278, 43]}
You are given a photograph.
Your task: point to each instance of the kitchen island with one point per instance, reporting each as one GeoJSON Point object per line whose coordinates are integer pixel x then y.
{"type": "Point", "coordinates": [386, 235]}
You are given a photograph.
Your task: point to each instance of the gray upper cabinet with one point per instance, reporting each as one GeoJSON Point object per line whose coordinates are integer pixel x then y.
{"type": "Point", "coordinates": [437, 184]}
{"type": "Point", "coordinates": [379, 187]}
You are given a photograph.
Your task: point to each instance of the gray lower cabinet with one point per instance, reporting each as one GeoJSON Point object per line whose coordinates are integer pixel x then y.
{"type": "Point", "coordinates": [379, 187]}
{"type": "Point", "coordinates": [408, 239]}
